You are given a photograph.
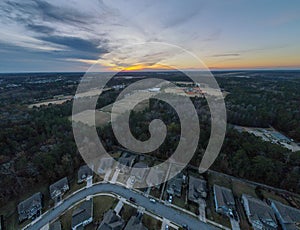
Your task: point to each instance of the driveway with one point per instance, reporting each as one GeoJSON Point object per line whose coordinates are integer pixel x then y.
{"type": "Point", "coordinates": [156, 208]}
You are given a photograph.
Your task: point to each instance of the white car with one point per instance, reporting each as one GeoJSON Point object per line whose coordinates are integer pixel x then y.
{"type": "Point", "coordinates": [152, 200]}
{"type": "Point", "coordinates": [170, 199]}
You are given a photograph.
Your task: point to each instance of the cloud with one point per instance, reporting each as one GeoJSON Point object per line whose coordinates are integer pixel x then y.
{"type": "Point", "coordinates": [226, 55]}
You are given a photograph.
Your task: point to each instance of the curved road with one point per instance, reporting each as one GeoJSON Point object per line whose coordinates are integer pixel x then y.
{"type": "Point", "coordinates": [157, 208]}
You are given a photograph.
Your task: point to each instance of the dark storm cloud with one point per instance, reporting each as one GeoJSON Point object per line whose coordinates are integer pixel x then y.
{"type": "Point", "coordinates": [40, 28]}
{"type": "Point", "coordinates": [40, 18]}
{"type": "Point", "coordinates": [43, 10]}
{"type": "Point", "coordinates": [75, 43]}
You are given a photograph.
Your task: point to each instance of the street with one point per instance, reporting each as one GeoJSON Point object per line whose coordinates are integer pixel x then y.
{"type": "Point", "coordinates": [156, 208]}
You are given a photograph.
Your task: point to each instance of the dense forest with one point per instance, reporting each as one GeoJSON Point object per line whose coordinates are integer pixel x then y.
{"type": "Point", "coordinates": [37, 145]}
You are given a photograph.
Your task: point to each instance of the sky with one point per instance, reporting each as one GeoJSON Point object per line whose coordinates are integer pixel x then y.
{"type": "Point", "coordinates": [72, 35]}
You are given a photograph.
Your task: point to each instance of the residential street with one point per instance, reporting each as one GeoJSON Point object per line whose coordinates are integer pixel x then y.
{"type": "Point", "coordinates": [157, 208]}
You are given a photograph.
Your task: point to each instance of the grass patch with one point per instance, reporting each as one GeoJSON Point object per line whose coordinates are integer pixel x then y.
{"type": "Point", "coordinates": [128, 211]}
{"type": "Point", "coordinates": [101, 205]}
{"type": "Point", "coordinates": [273, 196]}
{"type": "Point", "coordinates": [151, 223]}
{"type": "Point", "coordinates": [239, 188]}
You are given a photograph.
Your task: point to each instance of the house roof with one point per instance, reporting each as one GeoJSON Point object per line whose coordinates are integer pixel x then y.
{"type": "Point", "coordinates": [34, 201]}
{"type": "Point", "coordinates": [58, 185]}
{"type": "Point", "coordinates": [111, 221]}
{"type": "Point", "coordinates": [223, 196]}
{"type": "Point", "coordinates": [175, 183]}
{"type": "Point", "coordinates": [84, 212]}
{"type": "Point", "coordinates": [55, 226]}
{"type": "Point", "coordinates": [259, 211]}
{"type": "Point", "coordinates": [139, 170]}
{"type": "Point", "coordinates": [105, 163]}
{"type": "Point", "coordinates": [84, 171]}
{"type": "Point", "coordinates": [154, 176]}
{"type": "Point", "coordinates": [126, 160]}
{"type": "Point", "coordinates": [289, 216]}
{"type": "Point", "coordinates": [197, 188]}
{"type": "Point", "coordinates": [135, 223]}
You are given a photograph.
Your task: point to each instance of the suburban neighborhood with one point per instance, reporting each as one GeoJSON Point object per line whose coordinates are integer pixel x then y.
{"type": "Point", "coordinates": [207, 203]}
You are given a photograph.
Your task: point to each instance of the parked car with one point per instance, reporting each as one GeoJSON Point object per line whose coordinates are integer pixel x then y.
{"type": "Point", "coordinates": [132, 199]}
{"type": "Point", "coordinates": [152, 200]}
{"type": "Point", "coordinates": [185, 226]}
{"type": "Point", "coordinates": [170, 199]}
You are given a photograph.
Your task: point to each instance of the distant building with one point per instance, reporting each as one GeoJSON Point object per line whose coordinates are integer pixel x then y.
{"type": "Point", "coordinates": [224, 200]}
{"type": "Point", "coordinates": [105, 164]}
{"type": "Point", "coordinates": [83, 173]}
{"type": "Point", "coordinates": [289, 217]}
{"type": "Point", "coordinates": [126, 159]}
{"type": "Point", "coordinates": [135, 223]}
{"type": "Point", "coordinates": [260, 214]}
{"type": "Point", "coordinates": [31, 207]}
{"type": "Point", "coordinates": [139, 171]}
{"type": "Point", "coordinates": [58, 189]}
{"type": "Point", "coordinates": [174, 185]}
{"type": "Point", "coordinates": [83, 215]}
{"type": "Point", "coordinates": [111, 221]}
{"type": "Point", "coordinates": [197, 189]}
{"type": "Point", "coordinates": [55, 225]}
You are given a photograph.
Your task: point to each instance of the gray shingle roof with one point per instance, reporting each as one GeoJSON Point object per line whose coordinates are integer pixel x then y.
{"type": "Point", "coordinates": [84, 212]}
{"type": "Point", "coordinates": [30, 206]}
{"type": "Point", "coordinates": [197, 188]}
{"type": "Point", "coordinates": [223, 196]}
{"type": "Point", "coordinates": [84, 172]}
{"type": "Point", "coordinates": [135, 223]}
{"type": "Point", "coordinates": [288, 216]}
{"type": "Point", "coordinates": [126, 160]}
{"type": "Point", "coordinates": [60, 186]}
{"type": "Point", "coordinates": [105, 163]}
{"type": "Point", "coordinates": [140, 170]}
{"type": "Point", "coordinates": [111, 221]}
{"type": "Point", "coordinates": [259, 212]}
{"type": "Point", "coordinates": [154, 176]}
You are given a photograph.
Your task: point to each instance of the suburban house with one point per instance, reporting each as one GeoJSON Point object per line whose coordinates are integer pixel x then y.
{"type": "Point", "coordinates": [105, 164]}
{"type": "Point", "coordinates": [31, 207]}
{"type": "Point", "coordinates": [135, 223]}
{"type": "Point", "coordinates": [58, 189]}
{"type": "Point", "coordinates": [55, 225]}
{"type": "Point", "coordinates": [126, 159]}
{"type": "Point", "coordinates": [84, 173]}
{"type": "Point", "coordinates": [197, 189]}
{"type": "Point", "coordinates": [83, 215]}
{"type": "Point", "coordinates": [174, 185]}
{"type": "Point", "coordinates": [154, 177]}
{"type": "Point", "coordinates": [111, 221]}
{"type": "Point", "coordinates": [259, 213]}
{"type": "Point", "coordinates": [224, 200]}
{"type": "Point", "coordinates": [139, 171]}
{"type": "Point", "coordinates": [289, 217]}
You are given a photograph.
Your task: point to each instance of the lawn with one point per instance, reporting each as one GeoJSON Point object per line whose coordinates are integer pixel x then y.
{"type": "Point", "coordinates": [101, 205]}
{"type": "Point", "coordinates": [151, 223]}
{"type": "Point", "coordinates": [127, 212]}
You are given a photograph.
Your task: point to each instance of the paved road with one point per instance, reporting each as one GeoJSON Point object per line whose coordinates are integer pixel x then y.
{"type": "Point", "coordinates": [157, 208]}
